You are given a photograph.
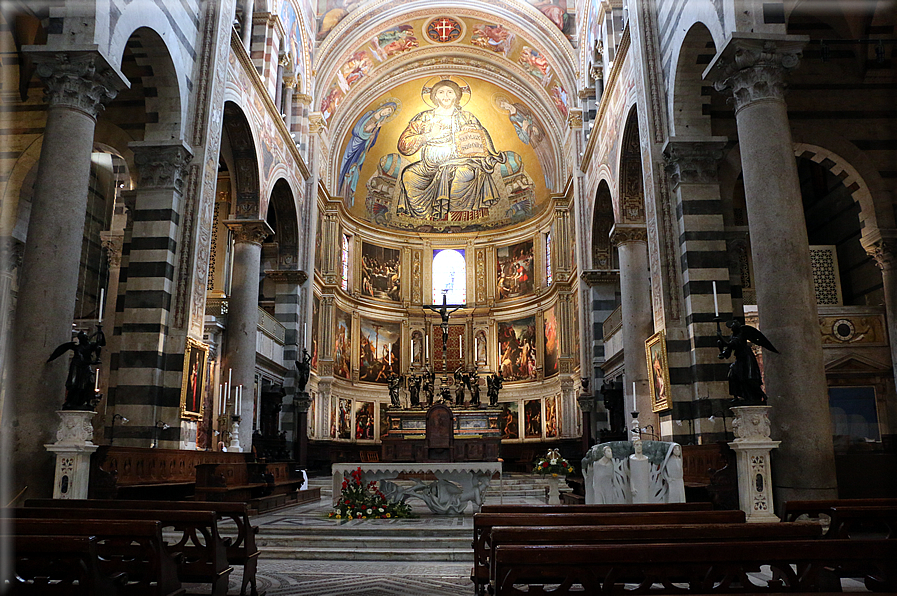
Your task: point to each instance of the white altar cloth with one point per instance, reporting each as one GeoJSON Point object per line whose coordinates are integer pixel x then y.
{"type": "Point", "coordinates": [456, 484]}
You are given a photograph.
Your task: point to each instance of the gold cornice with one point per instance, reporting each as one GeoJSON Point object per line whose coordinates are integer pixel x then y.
{"type": "Point", "coordinates": [236, 46]}
{"type": "Point", "coordinates": [609, 84]}
{"type": "Point", "coordinates": [593, 277]}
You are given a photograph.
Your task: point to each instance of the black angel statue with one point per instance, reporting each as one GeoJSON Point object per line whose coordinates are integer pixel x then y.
{"type": "Point", "coordinates": [745, 381]}
{"type": "Point", "coordinates": [79, 385]}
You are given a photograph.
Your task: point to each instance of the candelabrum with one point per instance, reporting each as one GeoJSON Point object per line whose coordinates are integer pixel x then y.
{"type": "Point", "coordinates": [635, 431]}
{"type": "Point", "coordinates": [235, 434]}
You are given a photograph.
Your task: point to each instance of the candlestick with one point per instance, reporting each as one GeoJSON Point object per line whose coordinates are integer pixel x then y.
{"type": "Point", "coordinates": [102, 297]}
{"type": "Point", "coordinates": [715, 303]}
{"type": "Point", "coordinates": [460, 346]}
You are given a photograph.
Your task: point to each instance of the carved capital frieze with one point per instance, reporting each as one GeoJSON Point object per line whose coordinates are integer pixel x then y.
{"type": "Point", "coordinates": [316, 123]}
{"type": "Point", "coordinates": [753, 69]}
{"type": "Point", "coordinates": [574, 120]}
{"type": "Point", "coordinates": [288, 276]}
{"type": "Point", "coordinates": [81, 81]}
{"type": "Point", "coordinates": [289, 81]}
{"type": "Point", "coordinates": [161, 165]}
{"type": "Point", "coordinates": [624, 234]}
{"type": "Point", "coordinates": [594, 277]}
{"type": "Point", "coordinates": [596, 72]}
{"type": "Point", "coordinates": [251, 231]}
{"type": "Point", "coordinates": [112, 242]}
{"type": "Point", "coordinates": [881, 245]}
{"type": "Point", "coordinates": [303, 98]}
{"type": "Point", "coordinates": [693, 161]}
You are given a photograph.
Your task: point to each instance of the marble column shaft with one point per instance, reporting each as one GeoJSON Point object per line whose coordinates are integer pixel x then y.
{"type": "Point", "coordinates": [243, 316]}
{"type": "Point", "coordinates": [883, 248]}
{"type": "Point", "coordinates": [76, 87]}
{"type": "Point", "coordinates": [754, 69]}
{"type": "Point", "coordinates": [637, 314]}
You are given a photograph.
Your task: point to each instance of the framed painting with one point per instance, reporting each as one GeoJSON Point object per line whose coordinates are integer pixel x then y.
{"type": "Point", "coordinates": [658, 371]}
{"type": "Point", "coordinates": [193, 384]}
{"type": "Point", "coordinates": [532, 419]}
{"type": "Point", "coordinates": [510, 426]}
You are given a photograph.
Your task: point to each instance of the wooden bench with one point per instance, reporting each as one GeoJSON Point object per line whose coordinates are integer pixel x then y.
{"type": "Point", "coordinates": [264, 487]}
{"type": "Point", "coordinates": [484, 522]}
{"type": "Point", "coordinates": [711, 567]}
{"type": "Point", "coordinates": [847, 520]}
{"type": "Point", "coordinates": [149, 474]}
{"type": "Point", "coordinates": [60, 565]}
{"type": "Point", "coordinates": [709, 473]}
{"type": "Point", "coordinates": [203, 556]}
{"type": "Point", "coordinates": [815, 508]}
{"type": "Point", "coordinates": [238, 532]}
{"type": "Point", "coordinates": [529, 535]}
{"type": "Point", "coordinates": [132, 549]}
{"type": "Point", "coordinates": [608, 508]}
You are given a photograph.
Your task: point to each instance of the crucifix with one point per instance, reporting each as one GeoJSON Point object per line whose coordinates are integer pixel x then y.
{"type": "Point", "coordinates": [444, 310]}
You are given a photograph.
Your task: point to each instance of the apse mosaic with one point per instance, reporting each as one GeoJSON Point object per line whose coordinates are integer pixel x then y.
{"type": "Point", "coordinates": [445, 154]}
{"type": "Point", "coordinates": [517, 349]}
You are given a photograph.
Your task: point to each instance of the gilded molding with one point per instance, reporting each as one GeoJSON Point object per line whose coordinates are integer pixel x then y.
{"type": "Point", "coordinates": [594, 277]}
{"type": "Point", "coordinates": [291, 276]}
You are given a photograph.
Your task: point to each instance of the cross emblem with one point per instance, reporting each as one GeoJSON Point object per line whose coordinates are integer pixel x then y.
{"type": "Point", "coordinates": [443, 29]}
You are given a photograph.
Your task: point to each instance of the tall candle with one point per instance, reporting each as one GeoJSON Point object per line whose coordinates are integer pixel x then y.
{"type": "Point", "coordinates": [634, 406]}
{"type": "Point", "coordinates": [305, 334]}
{"type": "Point", "coordinates": [461, 346]}
{"type": "Point", "coordinates": [715, 303]}
{"type": "Point", "coordinates": [102, 297]}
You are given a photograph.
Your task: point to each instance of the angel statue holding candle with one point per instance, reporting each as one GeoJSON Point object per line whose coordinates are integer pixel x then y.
{"type": "Point", "coordinates": [745, 378]}
{"type": "Point", "coordinates": [80, 384]}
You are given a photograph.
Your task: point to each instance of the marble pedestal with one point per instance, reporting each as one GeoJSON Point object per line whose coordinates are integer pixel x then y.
{"type": "Point", "coordinates": [752, 446]}
{"type": "Point", "coordinates": [73, 448]}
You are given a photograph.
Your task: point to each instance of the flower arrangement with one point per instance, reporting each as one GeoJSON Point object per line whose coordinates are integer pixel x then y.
{"type": "Point", "coordinates": [553, 464]}
{"type": "Point", "coordinates": [360, 501]}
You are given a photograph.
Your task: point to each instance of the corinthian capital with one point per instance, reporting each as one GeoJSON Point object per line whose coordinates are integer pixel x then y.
{"type": "Point", "coordinates": [161, 165]}
{"type": "Point", "coordinates": [252, 231]}
{"type": "Point", "coordinates": [626, 233]}
{"type": "Point", "coordinates": [881, 245]}
{"type": "Point", "coordinates": [754, 68]}
{"type": "Point", "coordinates": [81, 81]}
{"type": "Point", "coordinates": [693, 161]}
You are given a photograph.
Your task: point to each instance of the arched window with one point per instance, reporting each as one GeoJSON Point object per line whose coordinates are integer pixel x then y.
{"type": "Point", "coordinates": [449, 276]}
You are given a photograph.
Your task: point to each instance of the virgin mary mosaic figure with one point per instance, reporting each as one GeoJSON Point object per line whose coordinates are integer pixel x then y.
{"type": "Point", "coordinates": [457, 158]}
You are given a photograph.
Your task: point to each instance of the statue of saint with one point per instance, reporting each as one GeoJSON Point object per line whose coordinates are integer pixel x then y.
{"type": "Point", "coordinates": [493, 386]}
{"type": "Point", "coordinates": [304, 371]}
{"type": "Point", "coordinates": [81, 380]}
{"type": "Point", "coordinates": [394, 383]}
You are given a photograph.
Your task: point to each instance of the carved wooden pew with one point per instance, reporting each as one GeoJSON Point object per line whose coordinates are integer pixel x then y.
{"type": "Point", "coordinates": [238, 531]}
{"type": "Point", "coordinates": [203, 556]}
{"type": "Point", "coordinates": [610, 508]}
{"type": "Point", "coordinates": [262, 486]}
{"type": "Point", "coordinates": [484, 522]}
{"type": "Point", "coordinates": [814, 508]}
{"type": "Point", "coordinates": [60, 565]}
{"type": "Point", "coordinates": [530, 535]}
{"type": "Point", "coordinates": [132, 550]}
{"type": "Point", "coordinates": [710, 567]}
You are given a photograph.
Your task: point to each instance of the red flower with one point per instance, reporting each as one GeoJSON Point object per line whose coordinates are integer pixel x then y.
{"type": "Point", "coordinates": [544, 464]}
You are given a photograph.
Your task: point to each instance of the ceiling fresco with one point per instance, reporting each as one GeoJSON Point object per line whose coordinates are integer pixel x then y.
{"type": "Point", "coordinates": [445, 153]}
{"type": "Point", "coordinates": [331, 12]}
{"type": "Point", "coordinates": [394, 41]}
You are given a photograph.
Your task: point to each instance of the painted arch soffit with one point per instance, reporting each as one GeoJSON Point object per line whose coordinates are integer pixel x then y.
{"type": "Point", "coordinates": [443, 151]}
{"type": "Point", "coordinates": [373, 47]}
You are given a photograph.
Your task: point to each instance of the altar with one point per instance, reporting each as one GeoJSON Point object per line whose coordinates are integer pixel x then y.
{"type": "Point", "coordinates": [442, 434]}
{"type": "Point", "coordinates": [455, 485]}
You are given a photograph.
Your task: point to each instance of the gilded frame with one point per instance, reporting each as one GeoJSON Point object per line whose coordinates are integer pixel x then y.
{"type": "Point", "coordinates": [196, 355]}
{"type": "Point", "coordinates": [658, 372]}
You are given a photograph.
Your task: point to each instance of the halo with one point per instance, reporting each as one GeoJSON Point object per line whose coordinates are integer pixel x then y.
{"type": "Point", "coordinates": [395, 112]}
{"type": "Point", "coordinates": [497, 97]}
{"type": "Point", "coordinates": [428, 86]}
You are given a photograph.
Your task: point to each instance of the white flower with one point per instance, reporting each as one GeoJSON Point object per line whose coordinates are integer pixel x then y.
{"type": "Point", "coordinates": [381, 510]}
{"type": "Point", "coordinates": [553, 462]}
{"type": "Point", "coordinates": [369, 511]}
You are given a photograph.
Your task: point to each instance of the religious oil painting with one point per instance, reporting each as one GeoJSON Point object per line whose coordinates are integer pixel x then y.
{"type": "Point", "coordinates": [380, 351]}
{"type": "Point", "coordinates": [345, 418]}
{"type": "Point", "coordinates": [193, 383]}
{"type": "Point", "coordinates": [381, 272]}
{"type": "Point", "coordinates": [659, 371]}
{"type": "Point", "coordinates": [510, 425]}
{"type": "Point", "coordinates": [435, 155]}
{"type": "Point", "coordinates": [532, 419]}
{"type": "Point", "coordinates": [342, 345]}
{"type": "Point", "coordinates": [333, 419]}
{"type": "Point", "coordinates": [514, 275]}
{"type": "Point", "coordinates": [312, 413]}
{"type": "Point", "coordinates": [384, 419]}
{"type": "Point", "coordinates": [315, 322]}
{"type": "Point", "coordinates": [551, 342]}
{"type": "Point", "coordinates": [517, 349]}
{"type": "Point", "coordinates": [551, 417]}
{"type": "Point", "coordinates": [364, 420]}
